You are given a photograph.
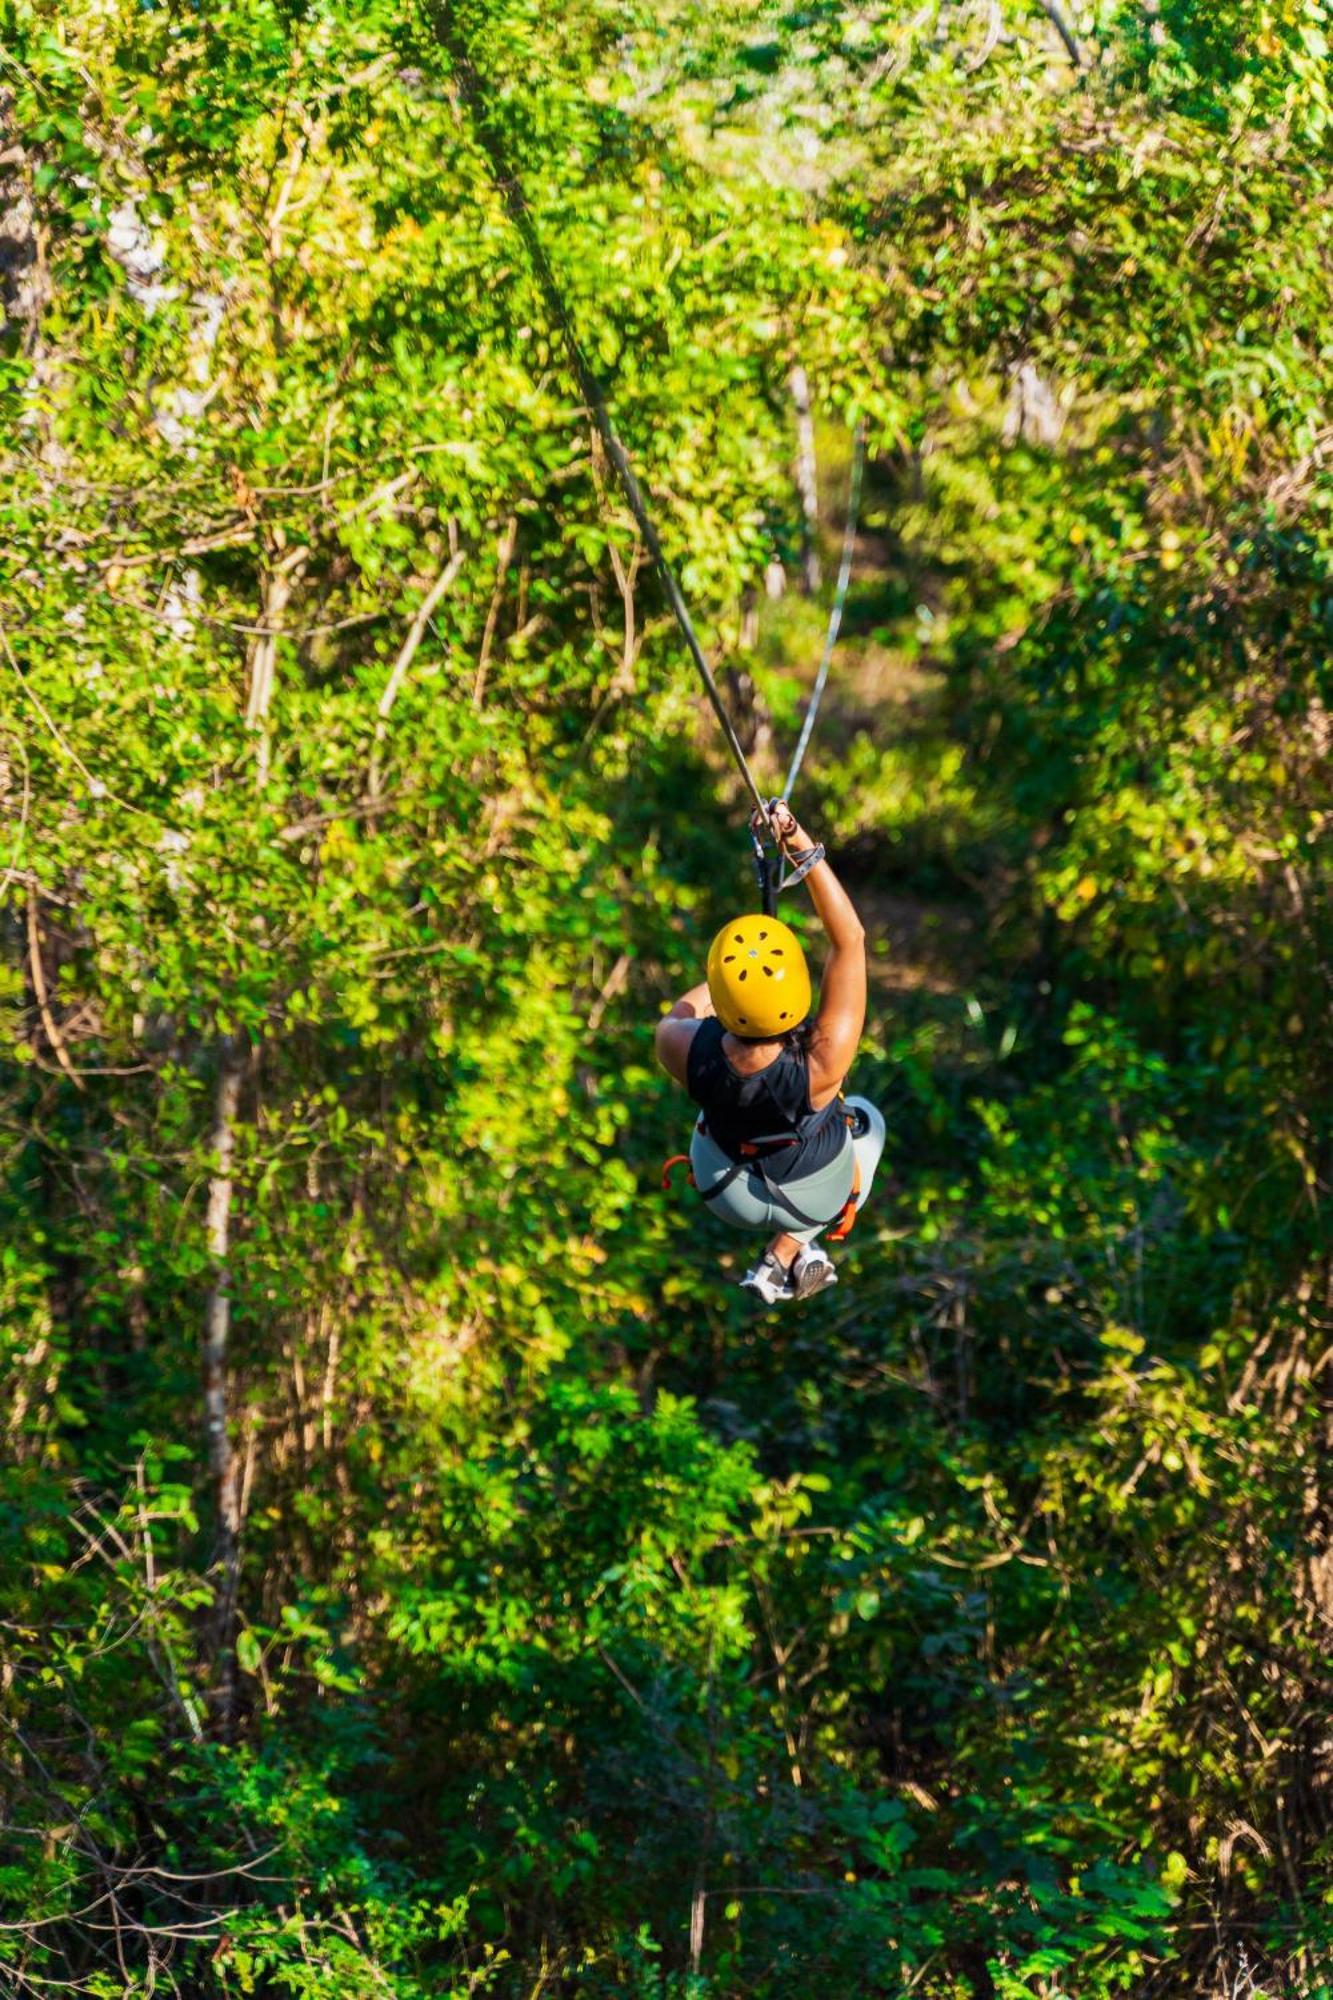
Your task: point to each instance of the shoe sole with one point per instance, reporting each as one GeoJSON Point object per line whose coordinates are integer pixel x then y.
{"type": "Point", "coordinates": [816, 1280]}
{"type": "Point", "coordinates": [767, 1297]}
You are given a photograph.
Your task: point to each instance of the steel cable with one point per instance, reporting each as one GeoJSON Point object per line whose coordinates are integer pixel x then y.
{"type": "Point", "coordinates": [835, 615]}
{"type": "Point", "coordinates": [511, 191]}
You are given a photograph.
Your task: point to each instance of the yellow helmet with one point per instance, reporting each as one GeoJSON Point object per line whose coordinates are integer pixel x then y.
{"type": "Point", "coordinates": [758, 978]}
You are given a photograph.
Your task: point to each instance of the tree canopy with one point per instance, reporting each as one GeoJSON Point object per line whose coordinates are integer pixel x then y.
{"type": "Point", "coordinates": [422, 1574]}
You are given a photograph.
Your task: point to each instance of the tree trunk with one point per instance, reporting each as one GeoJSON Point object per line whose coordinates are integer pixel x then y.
{"type": "Point", "coordinates": [24, 286]}
{"type": "Point", "coordinates": [275, 593]}
{"type": "Point", "coordinates": [806, 479]}
{"type": "Point", "coordinates": [223, 1465]}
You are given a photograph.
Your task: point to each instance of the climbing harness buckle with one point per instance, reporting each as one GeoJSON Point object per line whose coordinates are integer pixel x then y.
{"type": "Point", "coordinates": [780, 870]}
{"type": "Point", "coordinates": [791, 876]}
{"type": "Point", "coordinates": [764, 876]}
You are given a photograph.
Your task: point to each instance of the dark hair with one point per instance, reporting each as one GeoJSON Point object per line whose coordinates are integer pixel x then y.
{"type": "Point", "coordinates": [797, 1040]}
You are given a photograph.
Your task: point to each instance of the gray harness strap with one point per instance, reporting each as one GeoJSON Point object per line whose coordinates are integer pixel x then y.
{"type": "Point", "coordinates": [775, 1191]}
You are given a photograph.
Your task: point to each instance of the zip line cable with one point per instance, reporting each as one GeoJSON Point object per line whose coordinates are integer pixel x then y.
{"type": "Point", "coordinates": [520, 215]}
{"type": "Point", "coordinates": [835, 615]}
{"type": "Point", "coordinates": [510, 189]}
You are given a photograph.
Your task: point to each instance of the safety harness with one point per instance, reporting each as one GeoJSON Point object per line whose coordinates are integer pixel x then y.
{"type": "Point", "coordinates": [753, 1153]}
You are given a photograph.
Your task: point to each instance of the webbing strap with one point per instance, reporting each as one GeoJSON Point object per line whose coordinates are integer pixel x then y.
{"type": "Point", "coordinates": [835, 614]}
{"type": "Point", "coordinates": [451, 39]}
{"type": "Point", "coordinates": [775, 1191]}
{"type": "Point", "coordinates": [750, 1163]}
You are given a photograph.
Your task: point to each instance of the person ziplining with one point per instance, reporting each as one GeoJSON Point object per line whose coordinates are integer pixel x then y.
{"type": "Point", "coordinates": [776, 1146]}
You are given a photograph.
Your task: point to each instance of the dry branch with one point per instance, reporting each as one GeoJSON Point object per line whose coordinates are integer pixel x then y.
{"type": "Point", "coordinates": [40, 994]}
{"type": "Point", "coordinates": [504, 556]}
{"type": "Point", "coordinates": [407, 652]}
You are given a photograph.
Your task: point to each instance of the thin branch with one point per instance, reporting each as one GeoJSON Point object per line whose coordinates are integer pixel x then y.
{"type": "Point", "coordinates": [504, 556]}
{"type": "Point", "coordinates": [235, 536]}
{"type": "Point", "coordinates": [275, 594]}
{"type": "Point", "coordinates": [407, 652]}
{"type": "Point", "coordinates": [53, 1034]}
{"type": "Point", "coordinates": [994, 29]}
{"type": "Point", "coordinates": [13, 871]}
{"type": "Point", "coordinates": [614, 985]}
{"type": "Point", "coordinates": [1064, 31]}
{"type": "Point", "coordinates": [274, 222]}
{"type": "Point", "coordinates": [95, 785]}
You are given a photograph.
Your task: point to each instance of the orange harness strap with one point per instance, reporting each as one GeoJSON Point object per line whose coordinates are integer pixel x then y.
{"type": "Point", "coordinates": [842, 1228]}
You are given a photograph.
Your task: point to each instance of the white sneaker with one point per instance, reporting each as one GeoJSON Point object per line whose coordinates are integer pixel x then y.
{"type": "Point", "coordinates": [811, 1272]}
{"type": "Point", "coordinates": [768, 1279]}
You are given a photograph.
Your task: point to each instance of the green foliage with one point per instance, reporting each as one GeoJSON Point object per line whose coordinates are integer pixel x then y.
{"type": "Point", "coordinates": [536, 1620]}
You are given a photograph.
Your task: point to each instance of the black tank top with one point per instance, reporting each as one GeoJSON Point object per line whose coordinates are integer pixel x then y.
{"type": "Point", "coordinates": [773, 1102]}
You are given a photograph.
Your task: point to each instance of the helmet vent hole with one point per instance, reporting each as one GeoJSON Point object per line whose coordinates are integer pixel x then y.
{"type": "Point", "coordinates": [742, 975]}
{"type": "Point", "coordinates": [737, 938]}
{"type": "Point", "coordinates": [762, 936]}
{"type": "Point", "coordinates": [782, 1017]}
{"type": "Point", "coordinates": [768, 972]}
{"type": "Point", "coordinates": [777, 951]}
{"type": "Point", "coordinates": [730, 958]}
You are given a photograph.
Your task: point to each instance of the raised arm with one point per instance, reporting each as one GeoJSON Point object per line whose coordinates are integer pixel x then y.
{"type": "Point", "coordinates": [842, 993]}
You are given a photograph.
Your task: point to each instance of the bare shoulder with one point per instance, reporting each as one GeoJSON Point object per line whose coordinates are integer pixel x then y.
{"type": "Point", "coordinates": [672, 1038]}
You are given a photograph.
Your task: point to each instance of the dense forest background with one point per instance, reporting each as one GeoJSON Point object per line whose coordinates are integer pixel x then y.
{"type": "Point", "coordinates": [421, 1574]}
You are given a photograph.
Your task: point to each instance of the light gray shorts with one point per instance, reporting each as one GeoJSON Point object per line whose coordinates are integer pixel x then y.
{"type": "Point", "coordinates": [748, 1202]}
